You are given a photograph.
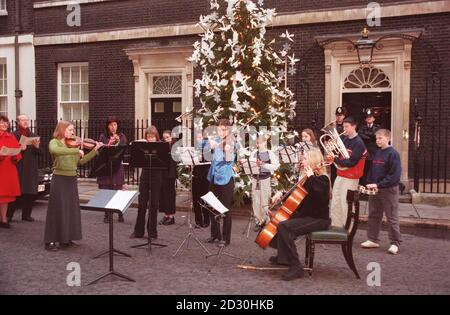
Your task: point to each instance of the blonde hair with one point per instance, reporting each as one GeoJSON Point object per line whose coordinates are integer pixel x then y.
{"type": "Point", "coordinates": [384, 133]}
{"type": "Point", "coordinates": [315, 158]}
{"type": "Point", "coordinates": [61, 128]}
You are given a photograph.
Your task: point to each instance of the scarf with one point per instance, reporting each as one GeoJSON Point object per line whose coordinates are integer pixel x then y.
{"type": "Point", "coordinates": [24, 131]}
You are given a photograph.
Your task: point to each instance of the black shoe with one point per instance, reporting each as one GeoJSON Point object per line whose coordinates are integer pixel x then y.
{"type": "Point", "coordinates": [204, 225]}
{"type": "Point", "coordinates": [163, 220]}
{"type": "Point", "coordinates": [5, 225]}
{"type": "Point", "coordinates": [9, 220]}
{"type": "Point", "coordinates": [223, 243]}
{"type": "Point", "coordinates": [274, 261]}
{"type": "Point", "coordinates": [211, 239]}
{"type": "Point", "coordinates": [28, 219]}
{"type": "Point", "coordinates": [133, 235]}
{"type": "Point", "coordinates": [121, 218]}
{"type": "Point", "coordinates": [293, 273]}
{"type": "Point", "coordinates": [51, 247]}
{"type": "Point", "coordinates": [70, 244]}
{"type": "Point", "coordinates": [169, 221]}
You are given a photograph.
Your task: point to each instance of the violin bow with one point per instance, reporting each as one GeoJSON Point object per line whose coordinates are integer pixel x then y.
{"type": "Point", "coordinates": [82, 134]}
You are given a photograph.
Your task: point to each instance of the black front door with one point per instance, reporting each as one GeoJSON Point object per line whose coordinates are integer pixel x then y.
{"type": "Point", "coordinates": [164, 113]}
{"type": "Point", "coordinates": [380, 103]}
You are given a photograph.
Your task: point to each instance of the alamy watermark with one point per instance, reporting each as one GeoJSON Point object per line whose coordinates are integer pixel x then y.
{"type": "Point", "coordinates": [74, 17]}
{"type": "Point", "coordinates": [73, 279]}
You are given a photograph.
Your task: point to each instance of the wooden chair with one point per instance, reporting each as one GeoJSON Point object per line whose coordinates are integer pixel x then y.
{"type": "Point", "coordinates": [337, 235]}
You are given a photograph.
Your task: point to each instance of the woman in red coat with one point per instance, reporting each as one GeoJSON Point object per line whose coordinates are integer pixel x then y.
{"type": "Point", "coordinates": [9, 183]}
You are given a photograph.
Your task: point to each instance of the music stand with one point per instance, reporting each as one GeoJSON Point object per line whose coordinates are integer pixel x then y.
{"type": "Point", "coordinates": [289, 155]}
{"type": "Point", "coordinates": [212, 204]}
{"type": "Point", "coordinates": [251, 169]}
{"type": "Point", "coordinates": [108, 161]}
{"type": "Point", "coordinates": [189, 158]}
{"type": "Point", "coordinates": [151, 156]}
{"type": "Point", "coordinates": [106, 164]}
{"type": "Point", "coordinates": [111, 201]}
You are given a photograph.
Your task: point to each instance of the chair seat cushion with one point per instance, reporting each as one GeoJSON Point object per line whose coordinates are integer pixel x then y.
{"type": "Point", "coordinates": [334, 233]}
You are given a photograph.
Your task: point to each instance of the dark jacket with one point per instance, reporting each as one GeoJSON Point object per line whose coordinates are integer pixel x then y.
{"type": "Point", "coordinates": [368, 135]}
{"type": "Point", "coordinates": [386, 168]}
{"type": "Point", "coordinates": [316, 203]}
{"type": "Point", "coordinates": [28, 167]}
{"type": "Point", "coordinates": [118, 178]}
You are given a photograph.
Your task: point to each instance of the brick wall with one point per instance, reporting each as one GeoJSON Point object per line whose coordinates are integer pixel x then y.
{"type": "Point", "coordinates": [120, 14]}
{"type": "Point", "coordinates": [7, 22]}
{"type": "Point", "coordinates": [111, 82]}
{"type": "Point", "coordinates": [135, 13]}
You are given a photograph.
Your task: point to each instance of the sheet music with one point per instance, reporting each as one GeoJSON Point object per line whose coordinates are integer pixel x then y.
{"type": "Point", "coordinates": [190, 155]}
{"type": "Point", "coordinates": [288, 155]}
{"type": "Point", "coordinates": [250, 167]}
{"type": "Point", "coordinates": [4, 151]}
{"type": "Point", "coordinates": [121, 200]}
{"type": "Point", "coordinates": [27, 140]}
{"type": "Point", "coordinates": [113, 199]}
{"type": "Point", "coordinates": [214, 203]}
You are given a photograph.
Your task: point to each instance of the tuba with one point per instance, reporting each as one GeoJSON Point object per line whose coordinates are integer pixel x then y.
{"type": "Point", "coordinates": [332, 143]}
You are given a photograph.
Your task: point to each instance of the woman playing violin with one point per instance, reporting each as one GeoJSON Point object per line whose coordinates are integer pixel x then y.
{"type": "Point", "coordinates": [313, 214]}
{"type": "Point", "coordinates": [63, 223]}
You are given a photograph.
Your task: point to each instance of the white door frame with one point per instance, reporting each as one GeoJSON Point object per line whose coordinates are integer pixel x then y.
{"type": "Point", "coordinates": [148, 62]}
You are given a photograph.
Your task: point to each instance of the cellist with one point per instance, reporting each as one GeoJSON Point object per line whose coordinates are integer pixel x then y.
{"type": "Point", "coordinates": [313, 214]}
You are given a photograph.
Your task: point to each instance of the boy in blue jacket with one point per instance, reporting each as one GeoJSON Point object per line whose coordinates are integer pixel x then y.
{"type": "Point", "coordinates": [384, 176]}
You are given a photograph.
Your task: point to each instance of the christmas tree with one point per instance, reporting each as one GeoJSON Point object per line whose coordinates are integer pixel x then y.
{"type": "Point", "coordinates": [244, 74]}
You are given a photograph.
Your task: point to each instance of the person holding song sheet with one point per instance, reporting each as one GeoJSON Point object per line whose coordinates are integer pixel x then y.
{"type": "Point", "coordinates": [268, 162]}
{"type": "Point", "coordinates": [27, 169]}
{"type": "Point", "coordinates": [9, 185]}
{"type": "Point", "coordinates": [113, 137]}
{"type": "Point", "coordinates": [63, 222]}
{"type": "Point", "coordinates": [221, 178]}
{"type": "Point", "coordinates": [148, 184]}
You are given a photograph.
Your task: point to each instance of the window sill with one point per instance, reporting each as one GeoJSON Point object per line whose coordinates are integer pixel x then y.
{"type": "Point", "coordinates": [3, 12]}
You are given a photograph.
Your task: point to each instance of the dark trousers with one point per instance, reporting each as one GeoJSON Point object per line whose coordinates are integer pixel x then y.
{"type": "Point", "coordinates": [148, 202]}
{"type": "Point", "coordinates": [168, 196]}
{"type": "Point", "coordinates": [288, 231]}
{"type": "Point", "coordinates": [25, 202]}
{"type": "Point", "coordinates": [200, 187]}
{"type": "Point", "coordinates": [225, 195]}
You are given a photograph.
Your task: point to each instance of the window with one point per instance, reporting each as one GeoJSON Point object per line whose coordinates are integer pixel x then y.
{"type": "Point", "coordinates": [167, 85]}
{"type": "Point", "coordinates": [73, 85]}
{"type": "Point", "coordinates": [3, 90]}
{"type": "Point", "coordinates": [367, 78]}
{"type": "Point", "coordinates": [177, 107]}
{"type": "Point", "coordinates": [3, 7]}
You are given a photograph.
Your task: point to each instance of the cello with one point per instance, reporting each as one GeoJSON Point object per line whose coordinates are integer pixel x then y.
{"type": "Point", "coordinates": [291, 201]}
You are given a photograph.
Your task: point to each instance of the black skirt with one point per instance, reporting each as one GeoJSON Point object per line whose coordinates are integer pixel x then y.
{"type": "Point", "coordinates": [63, 223]}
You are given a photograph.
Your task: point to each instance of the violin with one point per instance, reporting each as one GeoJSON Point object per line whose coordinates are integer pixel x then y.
{"type": "Point", "coordinates": [292, 200]}
{"type": "Point", "coordinates": [77, 142]}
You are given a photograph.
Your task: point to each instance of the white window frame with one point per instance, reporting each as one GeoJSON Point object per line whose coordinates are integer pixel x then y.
{"type": "Point", "coordinates": [3, 9]}
{"type": "Point", "coordinates": [5, 89]}
{"type": "Point", "coordinates": [166, 74]}
{"type": "Point", "coordinates": [59, 87]}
